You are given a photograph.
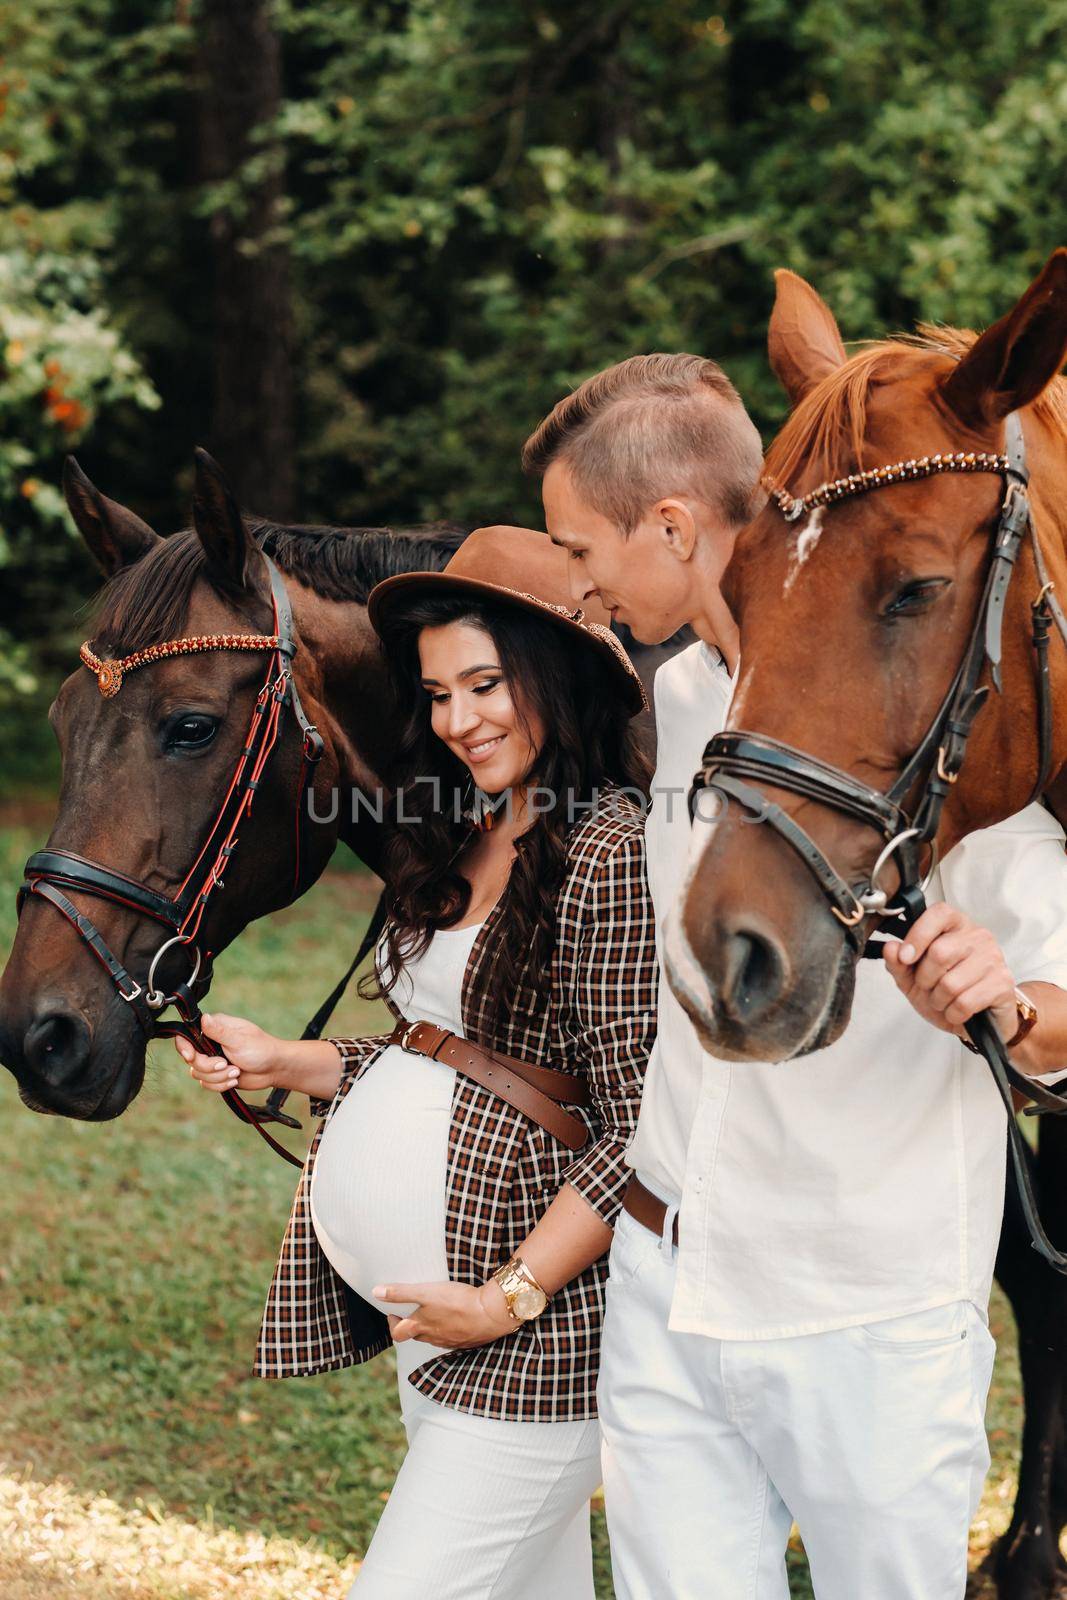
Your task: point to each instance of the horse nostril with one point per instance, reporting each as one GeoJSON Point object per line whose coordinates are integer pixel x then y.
{"type": "Point", "coordinates": [753, 976]}
{"type": "Point", "coordinates": [56, 1047]}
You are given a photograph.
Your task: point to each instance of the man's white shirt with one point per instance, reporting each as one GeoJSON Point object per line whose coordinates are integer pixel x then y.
{"type": "Point", "coordinates": [862, 1181]}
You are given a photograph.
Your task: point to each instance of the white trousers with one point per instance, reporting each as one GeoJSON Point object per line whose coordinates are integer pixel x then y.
{"type": "Point", "coordinates": [870, 1438]}
{"type": "Point", "coordinates": [482, 1509]}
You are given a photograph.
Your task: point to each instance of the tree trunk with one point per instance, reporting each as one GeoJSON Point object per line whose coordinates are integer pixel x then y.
{"type": "Point", "coordinates": [252, 427]}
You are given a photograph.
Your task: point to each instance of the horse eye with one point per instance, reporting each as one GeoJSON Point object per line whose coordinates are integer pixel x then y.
{"type": "Point", "coordinates": [915, 597]}
{"type": "Point", "coordinates": [191, 731]}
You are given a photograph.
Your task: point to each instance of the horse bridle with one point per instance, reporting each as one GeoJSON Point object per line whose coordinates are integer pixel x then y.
{"type": "Point", "coordinates": [50, 873]}
{"type": "Point", "coordinates": [734, 757]}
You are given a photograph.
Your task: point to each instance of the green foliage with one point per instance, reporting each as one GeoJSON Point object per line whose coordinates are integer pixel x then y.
{"type": "Point", "coordinates": [62, 367]}
{"type": "Point", "coordinates": [482, 205]}
{"type": "Point", "coordinates": [490, 203]}
{"type": "Point", "coordinates": [66, 365]}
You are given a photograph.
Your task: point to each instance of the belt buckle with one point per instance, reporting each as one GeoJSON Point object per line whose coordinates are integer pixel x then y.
{"type": "Point", "coordinates": [406, 1035]}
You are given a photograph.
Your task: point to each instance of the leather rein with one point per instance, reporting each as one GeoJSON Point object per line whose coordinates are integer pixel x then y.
{"type": "Point", "coordinates": [734, 760]}
{"type": "Point", "coordinates": [52, 874]}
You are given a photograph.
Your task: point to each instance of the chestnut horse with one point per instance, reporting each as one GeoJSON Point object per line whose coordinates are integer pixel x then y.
{"type": "Point", "coordinates": [855, 618]}
{"type": "Point", "coordinates": [853, 628]}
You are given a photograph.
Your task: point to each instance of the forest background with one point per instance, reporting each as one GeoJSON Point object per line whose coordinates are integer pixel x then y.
{"type": "Point", "coordinates": [358, 249]}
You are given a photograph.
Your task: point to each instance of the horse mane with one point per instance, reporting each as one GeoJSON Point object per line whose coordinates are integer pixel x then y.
{"type": "Point", "coordinates": [148, 601]}
{"type": "Point", "coordinates": [828, 427]}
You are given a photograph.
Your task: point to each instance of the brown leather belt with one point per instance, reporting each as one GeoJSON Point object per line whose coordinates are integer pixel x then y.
{"type": "Point", "coordinates": [646, 1208]}
{"type": "Point", "coordinates": [538, 1092]}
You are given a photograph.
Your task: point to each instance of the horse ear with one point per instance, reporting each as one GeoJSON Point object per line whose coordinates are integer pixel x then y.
{"type": "Point", "coordinates": [803, 340]}
{"type": "Point", "coordinates": [219, 524]}
{"type": "Point", "coordinates": [1018, 356]}
{"type": "Point", "coordinates": [116, 536]}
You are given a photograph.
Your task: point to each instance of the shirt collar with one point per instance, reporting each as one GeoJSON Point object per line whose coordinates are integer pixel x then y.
{"type": "Point", "coordinates": [715, 662]}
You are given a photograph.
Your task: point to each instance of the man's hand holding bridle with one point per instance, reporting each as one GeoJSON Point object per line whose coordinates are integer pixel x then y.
{"type": "Point", "coordinates": [949, 968]}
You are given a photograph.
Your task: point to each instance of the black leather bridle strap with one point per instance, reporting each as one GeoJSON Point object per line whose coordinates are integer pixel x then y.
{"type": "Point", "coordinates": [1041, 627]}
{"type": "Point", "coordinates": [936, 763]}
{"type": "Point", "coordinates": [278, 692]}
{"type": "Point", "coordinates": [188, 1027]}
{"type": "Point", "coordinates": [1058, 616]}
{"type": "Point", "coordinates": [756, 755]}
{"type": "Point", "coordinates": [75, 872]}
{"type": "Point", "coordinates": [1045, 613]}
{"type": "Point", "coordinates": [951, 727]}
{"type": "Point", "coordinates": [48, 873]}
{"type": "Point", "coordinates": [986, 1040]}
{"type": "Point", "coordinates": [1014, 521]}
{"type": "Point", "coordinates": [313, 742]}
{"type": "Point", "coordinates": [837, 891]}
{"type": "Point", "coordinates": [78, 873]}
{"type": "Point", "coordinates": [733, 756]}
{"type": "Point", "coordinates": [130, 991]}
{"type": "Point", "coordinates": [982, 1033]}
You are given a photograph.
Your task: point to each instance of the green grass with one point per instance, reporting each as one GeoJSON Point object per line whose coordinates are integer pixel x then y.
{"type": "Point", "coordinates": [137, 1257]}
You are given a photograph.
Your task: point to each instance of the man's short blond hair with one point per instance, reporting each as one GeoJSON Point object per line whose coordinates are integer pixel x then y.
{"type": "Point", "coordinates": [651, 427]}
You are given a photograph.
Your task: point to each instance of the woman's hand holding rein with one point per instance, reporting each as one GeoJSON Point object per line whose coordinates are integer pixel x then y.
{"type": "Point", "coordinates": [255, 1059]}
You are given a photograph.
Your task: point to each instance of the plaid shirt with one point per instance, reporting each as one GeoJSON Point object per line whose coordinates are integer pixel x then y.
{"type": "Point", "coordinates": [597, 1016]}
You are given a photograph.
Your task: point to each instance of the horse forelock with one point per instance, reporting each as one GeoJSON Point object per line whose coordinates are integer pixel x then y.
{"type": "Point", "coordinates": [148, 601]}
{"type": "Point", "coordinates": [827, 430]}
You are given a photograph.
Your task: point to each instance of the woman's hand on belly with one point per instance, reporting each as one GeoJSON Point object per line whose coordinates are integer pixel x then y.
{"type": "Point", "coordinates": [455, 1316]}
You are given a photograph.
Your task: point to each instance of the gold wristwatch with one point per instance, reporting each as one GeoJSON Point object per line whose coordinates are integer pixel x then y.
{"type": "Point", "coordinates": [1027, 1013]}
{"type": "Point", "coordinates": [525, 1297]}
{"type": "Point", "coordinates": [1027, 1019]}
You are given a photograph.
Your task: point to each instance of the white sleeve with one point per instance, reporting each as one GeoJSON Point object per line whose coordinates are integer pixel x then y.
{"type": "Point", "coordinates": [1012, 879]}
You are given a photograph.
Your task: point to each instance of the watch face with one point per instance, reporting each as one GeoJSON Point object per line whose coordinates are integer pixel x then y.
{"type": "Point", "coordinates": [529, 1302]}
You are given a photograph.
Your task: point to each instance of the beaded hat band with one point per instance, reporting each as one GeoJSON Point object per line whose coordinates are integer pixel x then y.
{"type": "Point", "coordinates": [110, 672]}
{"type": "Point", "coordinates": [794, 506]}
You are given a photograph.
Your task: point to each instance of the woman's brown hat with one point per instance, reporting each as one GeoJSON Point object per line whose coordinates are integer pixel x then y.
{"type": "Point", "coordinates": [518, 567]}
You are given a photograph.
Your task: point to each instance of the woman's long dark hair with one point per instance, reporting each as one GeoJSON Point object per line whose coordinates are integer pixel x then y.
{"type": "Point", "coordinates": [589, 742]}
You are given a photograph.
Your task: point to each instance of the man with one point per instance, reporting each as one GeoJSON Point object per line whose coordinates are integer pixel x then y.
{"type": "Point", "coordinates": [780, 1362]}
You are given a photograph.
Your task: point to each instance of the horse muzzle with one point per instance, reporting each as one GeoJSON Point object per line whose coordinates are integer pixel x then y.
{"type": "Point", "coordinates": [63, 1069]}
{"type": "Point", "coordinates": [760, 968]}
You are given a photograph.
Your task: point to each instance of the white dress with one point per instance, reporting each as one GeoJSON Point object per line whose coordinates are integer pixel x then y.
{"type": "Point", "coordinates": [481, 1509]}
{"type": "Point", "coordinates": [380, 1178]}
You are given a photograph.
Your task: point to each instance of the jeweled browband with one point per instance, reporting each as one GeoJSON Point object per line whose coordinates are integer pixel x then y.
{"type": "Point", "coordinates": [110, 672]}
{"type": "Point", "coordinates": [794, 506]}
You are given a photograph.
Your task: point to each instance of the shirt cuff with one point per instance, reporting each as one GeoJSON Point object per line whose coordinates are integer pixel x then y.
{"type": "Point", "coordinates": [349, 1050]}
{"type": "Point", "coordinates": [600, 1176]}
{"type": "Point", "coordinates": [1054, 972]}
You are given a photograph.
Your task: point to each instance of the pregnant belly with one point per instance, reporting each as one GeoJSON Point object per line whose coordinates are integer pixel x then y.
{"type": "Point", "coordinates": [378, 1186]}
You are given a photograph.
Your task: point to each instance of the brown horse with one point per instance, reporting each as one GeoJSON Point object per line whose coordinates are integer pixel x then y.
{"type": "Point", "coordinates": [853, 629]}
{"type": "Point", "coordinates": [853, 624]}
{"type": "Point", "coordinates": [145, 771]}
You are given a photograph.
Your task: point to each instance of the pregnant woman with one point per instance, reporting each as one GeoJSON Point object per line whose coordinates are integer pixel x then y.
{"type": "Point", "coordinates": [460, 1194]}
